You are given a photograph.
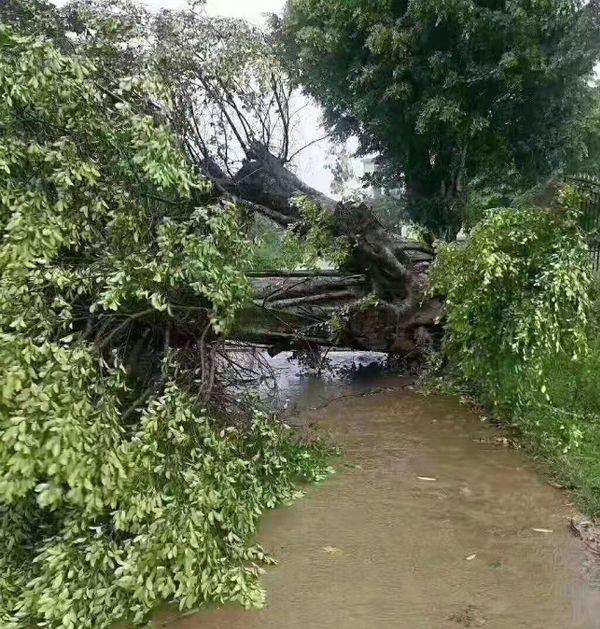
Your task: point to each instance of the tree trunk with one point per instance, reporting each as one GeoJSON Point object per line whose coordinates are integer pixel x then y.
{"type": "Point", "coordinates": [290, 311]}
{"type": "Point", "coordinates": [379, 301]}
{"type": "Point", "coordinates": [385, 308]}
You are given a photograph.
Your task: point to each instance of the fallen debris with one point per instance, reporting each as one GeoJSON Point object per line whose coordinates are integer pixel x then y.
{"type": "Point", "coordinates": [332, 550]}
{"type": "Point", "coordinates": [588, 533]}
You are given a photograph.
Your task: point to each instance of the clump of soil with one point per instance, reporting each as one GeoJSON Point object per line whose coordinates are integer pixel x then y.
{"type": "Point", "coordinates": [470, 616]}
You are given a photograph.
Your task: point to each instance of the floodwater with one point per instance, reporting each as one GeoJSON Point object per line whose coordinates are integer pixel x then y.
{"type": "Point", "coordinates": [429, 523]}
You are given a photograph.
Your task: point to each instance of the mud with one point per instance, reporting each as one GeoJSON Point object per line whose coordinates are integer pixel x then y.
{"type": "Point", "coordinates": [429, 523]}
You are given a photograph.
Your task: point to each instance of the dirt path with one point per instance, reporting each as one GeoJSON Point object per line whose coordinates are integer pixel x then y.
{"type": "Point", "coordinates": [428, 524]}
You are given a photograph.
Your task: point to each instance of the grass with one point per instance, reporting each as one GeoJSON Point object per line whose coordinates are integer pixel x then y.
{"type": "Point", "coordinates": [565, 430]}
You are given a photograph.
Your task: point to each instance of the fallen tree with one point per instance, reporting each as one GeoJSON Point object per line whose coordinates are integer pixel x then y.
{"type": "Point", "coordinates": [378, 300]}
{"type": "Point", "coordinates": [227, 98]}
{"type": "Point", "coordinates": [245, 145]}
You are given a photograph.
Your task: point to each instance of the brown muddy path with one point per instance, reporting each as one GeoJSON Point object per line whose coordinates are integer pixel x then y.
{"type": "Point", "coordinates": [376, 546]}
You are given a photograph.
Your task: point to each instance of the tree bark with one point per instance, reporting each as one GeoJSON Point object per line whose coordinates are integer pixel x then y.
{"type": "Point", "coordinates": [265, 185]}
{"type": "Point", "coordinates": [386, 308]}
{"type": "Point", "coordinates": [337, 311]}
{"type": "Point", "coordinates": [378, 301]}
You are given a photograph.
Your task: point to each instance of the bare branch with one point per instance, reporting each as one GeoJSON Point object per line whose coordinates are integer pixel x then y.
{"type": "Point", "coordinates": [311, 143]}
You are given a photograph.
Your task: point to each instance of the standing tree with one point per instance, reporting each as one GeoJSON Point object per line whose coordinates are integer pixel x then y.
{"type": "Point", "coordinates": [449, 93]}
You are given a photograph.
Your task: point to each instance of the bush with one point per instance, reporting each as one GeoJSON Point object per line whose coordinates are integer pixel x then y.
{"type": "Point", "coordinates": [521, 333]}
{"type": "Point", "coordinates": [563, 424]}
{"type": "Point", "coordinates": [517, 293]}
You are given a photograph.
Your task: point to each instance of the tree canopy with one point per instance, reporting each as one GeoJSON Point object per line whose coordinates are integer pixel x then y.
{"type": "Point", "coordinates": [452, 92]}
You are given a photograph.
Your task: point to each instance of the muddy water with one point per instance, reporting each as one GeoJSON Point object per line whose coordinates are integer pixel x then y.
{"type": "Point", "coordinates": [380, 546]}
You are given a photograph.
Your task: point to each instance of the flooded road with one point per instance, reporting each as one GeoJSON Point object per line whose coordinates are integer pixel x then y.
{"type": "Point", "coordinates": [429, 523]}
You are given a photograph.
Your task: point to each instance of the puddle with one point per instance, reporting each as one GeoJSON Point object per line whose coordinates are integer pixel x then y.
{"type": "Point", "coordinates": [429, 523]}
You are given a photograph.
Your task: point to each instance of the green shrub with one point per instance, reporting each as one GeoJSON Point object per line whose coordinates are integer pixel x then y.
{"type": "Point", "coordinates": [517, 293]}
{"type": "Point", "coordinates": [522, 334]}
{"type": "Point", "coordinates": [563, 424]}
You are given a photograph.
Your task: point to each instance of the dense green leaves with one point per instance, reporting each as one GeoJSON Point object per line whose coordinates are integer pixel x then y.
{"type": "Point", "coordinates": [518, 297]}
{"type": "Point", "coordinates": [521, 335]}
{"type": "Point", "coordinates": [450, 93]}
{"type": "Point", "coordinates": [585, 156]}
{"type": "Point", "coordinates": [111, 502]}
{"type": "Point", "coordinates": [100, 179]}
{"type": "Point", "coordinates": [517, 293]}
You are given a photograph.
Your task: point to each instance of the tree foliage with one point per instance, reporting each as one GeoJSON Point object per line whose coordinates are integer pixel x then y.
{"type": "Point", "coordinates": [119, 488]}
{"type": "Point", "coordinates": [217, 80]}
{"type": "Point", "coordinates": [517, 296]}
{"type": "Point", "coordinates": [450, 92]}
{"type": "Point", "coordinates": [585, 157]}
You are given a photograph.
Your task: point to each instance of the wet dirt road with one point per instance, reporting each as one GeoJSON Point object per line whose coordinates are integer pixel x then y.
{"type": "Point", "coordinates": [429, 523]}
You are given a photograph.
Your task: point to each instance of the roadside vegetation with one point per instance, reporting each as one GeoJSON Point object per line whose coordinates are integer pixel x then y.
{"type": "Point", "coordinates": [522, 335]}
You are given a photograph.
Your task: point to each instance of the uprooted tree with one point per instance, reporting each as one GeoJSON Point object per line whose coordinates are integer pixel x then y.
{"type": "Point", "coordinates": [232, 105]}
